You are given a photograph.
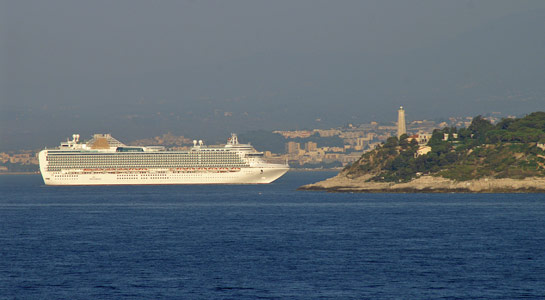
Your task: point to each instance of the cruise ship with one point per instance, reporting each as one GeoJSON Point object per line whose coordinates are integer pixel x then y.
{"type": "Point", "coordinates": [104, 160]}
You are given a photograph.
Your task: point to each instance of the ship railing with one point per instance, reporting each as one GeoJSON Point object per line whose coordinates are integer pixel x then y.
{"type": "Point", "coordinates": [273, 160]}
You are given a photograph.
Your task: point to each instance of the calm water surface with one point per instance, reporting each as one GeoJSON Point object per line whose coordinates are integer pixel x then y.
{"type": "Point", "coordinates": [265, 242]}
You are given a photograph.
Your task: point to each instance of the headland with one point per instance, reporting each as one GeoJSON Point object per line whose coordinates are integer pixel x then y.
{"type": "Point", "coordinates": [507, 157]}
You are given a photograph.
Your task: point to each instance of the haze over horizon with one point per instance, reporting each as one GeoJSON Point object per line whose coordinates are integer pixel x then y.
{"type": "Point", "coordinates": [203, 69]}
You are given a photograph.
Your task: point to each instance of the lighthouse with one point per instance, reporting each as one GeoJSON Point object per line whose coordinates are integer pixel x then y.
{"type": "Point", "coordinates": [401, 129]}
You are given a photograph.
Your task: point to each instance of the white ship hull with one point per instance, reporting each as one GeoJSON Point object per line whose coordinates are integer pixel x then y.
{"type": "Point", "coordinates": [106, 161]}
{"type": "Point", "coordinates": [243, 176]}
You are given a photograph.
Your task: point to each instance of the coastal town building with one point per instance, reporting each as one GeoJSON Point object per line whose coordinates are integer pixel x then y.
{"type": "Point", "coordinates": [423, 150]}
{"type": "Point", "coordinates": [293, 147]}
{"type": "Point", "coordinates": [310, 146]}
{"type": "Point", "coordinates": [421, 137]}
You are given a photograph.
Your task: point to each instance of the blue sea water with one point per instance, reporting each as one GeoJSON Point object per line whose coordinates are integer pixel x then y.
{"type": "Point", "coordinates": [266, 242]}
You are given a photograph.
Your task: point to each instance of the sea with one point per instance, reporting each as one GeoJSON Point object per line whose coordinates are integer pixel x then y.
{"type": "Point", "coordinates": [266, 242]}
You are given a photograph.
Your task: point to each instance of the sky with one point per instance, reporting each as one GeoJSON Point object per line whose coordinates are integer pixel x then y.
{"type": "Point", "coordinates": [203, 69]}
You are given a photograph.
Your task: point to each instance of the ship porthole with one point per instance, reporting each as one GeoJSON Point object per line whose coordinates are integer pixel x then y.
{"type": "Point", "coordinates": [261, 171]}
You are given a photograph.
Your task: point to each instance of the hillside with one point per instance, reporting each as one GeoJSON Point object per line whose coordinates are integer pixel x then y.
{"type": "Point", "coordinates": [512, 150]}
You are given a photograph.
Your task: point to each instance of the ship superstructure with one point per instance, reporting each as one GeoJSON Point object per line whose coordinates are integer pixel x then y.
{"type": "Point", "coordinates": [103, 160]}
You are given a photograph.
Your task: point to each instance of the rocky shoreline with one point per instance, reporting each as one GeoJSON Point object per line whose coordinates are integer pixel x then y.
{"type": "Point", "coordinates": [429, 184]}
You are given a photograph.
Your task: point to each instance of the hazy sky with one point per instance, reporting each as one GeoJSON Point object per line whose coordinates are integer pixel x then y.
{"type": "Point", "coordinates": [206, 68]}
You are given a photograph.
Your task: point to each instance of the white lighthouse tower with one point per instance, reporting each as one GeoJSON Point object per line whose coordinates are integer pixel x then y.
{"type": "Point", "coordinates": [401, 129]}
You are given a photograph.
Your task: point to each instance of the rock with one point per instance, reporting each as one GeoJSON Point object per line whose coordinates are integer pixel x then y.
{"type": "Point", "coordinates": [430, 184]}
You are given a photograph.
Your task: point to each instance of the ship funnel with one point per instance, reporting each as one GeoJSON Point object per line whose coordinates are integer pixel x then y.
{"type": "Point", "coordinates": [194, 143]}
{"type": "Point", "coordinates": [200, 143]}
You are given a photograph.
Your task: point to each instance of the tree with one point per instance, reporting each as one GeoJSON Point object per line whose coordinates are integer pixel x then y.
{"type": "Point", "coordinates": [480, 126]}
{"type": "Point", "coordinates": [403, 142]}
{"type": "Point", "coordinates": [504, 123]}
{"type": "Point", "coordinates": [391, 142]}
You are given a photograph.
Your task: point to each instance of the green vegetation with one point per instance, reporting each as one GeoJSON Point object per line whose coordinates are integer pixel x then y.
{"type": "Point", "coordinates": [505, 150]}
